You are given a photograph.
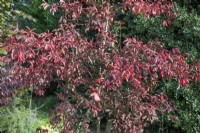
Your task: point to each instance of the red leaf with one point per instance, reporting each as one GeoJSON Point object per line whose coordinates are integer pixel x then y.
{"type": "Point", "coordinates": [165, 23]}
{"type": "Point", "coordinates": [39, 92]}
{"type": "Point", "coordinates": [119, 83]}
{"type": "Point", "coordinates": [12, 54]}
{"type": "Point", "coordinates": [96, 96]}
{"type": "Point", "coordinates": [46, 47]}
{"type": "Point", "coordinates": [154, 12]}
{"type": "Point", "coordinates": [182, 81]}
{"type": "Point", "coordinates": [198, 78]}
{"type": "Point", "coordinates": [175, 50]}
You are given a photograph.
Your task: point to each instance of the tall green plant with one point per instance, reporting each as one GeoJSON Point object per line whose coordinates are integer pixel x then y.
{"type": "Point", "coordinates": [18, 116]}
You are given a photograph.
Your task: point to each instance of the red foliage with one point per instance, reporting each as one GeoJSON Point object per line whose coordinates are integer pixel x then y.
{"type": "Point", "coordinates": [118, 82]}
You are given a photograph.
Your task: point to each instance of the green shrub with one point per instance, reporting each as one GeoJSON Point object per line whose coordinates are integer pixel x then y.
{"type": "Point", "coordinates": [18, 118]}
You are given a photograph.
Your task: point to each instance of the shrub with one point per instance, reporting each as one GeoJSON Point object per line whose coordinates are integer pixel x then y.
{"type": "Point", "coordinates": [18, 116]}
{"type": "Point", "coordinates": [103, 79]}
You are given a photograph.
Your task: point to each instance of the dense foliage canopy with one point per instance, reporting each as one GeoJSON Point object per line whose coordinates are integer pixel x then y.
{"type": "Point", "coordinates": [102, 72]}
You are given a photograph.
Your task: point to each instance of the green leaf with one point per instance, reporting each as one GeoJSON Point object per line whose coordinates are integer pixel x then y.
{"type": "Point", "coordinates": [3, 52]}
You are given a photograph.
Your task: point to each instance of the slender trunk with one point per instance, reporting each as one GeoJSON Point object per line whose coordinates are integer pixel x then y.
{"type": "Point", "coordinates": [98, 124]}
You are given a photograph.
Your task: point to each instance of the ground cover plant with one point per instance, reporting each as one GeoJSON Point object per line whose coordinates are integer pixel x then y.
{"type": "Point", "coordinates": [101, 77]}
